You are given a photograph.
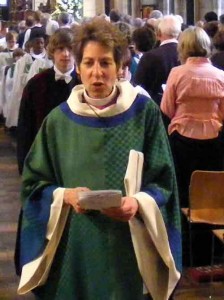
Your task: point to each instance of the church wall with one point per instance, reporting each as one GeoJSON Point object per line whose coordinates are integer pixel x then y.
{"type": "Point", "coordinates": [36, 4]}
{"type": "Point", "coordinates": [94, 7]}
{"type": "Point", "coordinates": [202, 7]}
{"type": "Point", "coordinates": [136, 8]}
{"type": "Point", "coordinates": [180, 8]}
{"type": "Point", "coordinates": [88, 8]}
{"type": "Point", "coordinates": [121, 6]}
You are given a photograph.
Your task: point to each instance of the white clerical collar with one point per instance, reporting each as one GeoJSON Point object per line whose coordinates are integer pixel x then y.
{"type": "Point", "coordinates": [100, 102]}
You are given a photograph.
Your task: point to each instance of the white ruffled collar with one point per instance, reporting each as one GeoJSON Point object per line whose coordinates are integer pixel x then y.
{"type": "Point", "coordinates": [38, 56]}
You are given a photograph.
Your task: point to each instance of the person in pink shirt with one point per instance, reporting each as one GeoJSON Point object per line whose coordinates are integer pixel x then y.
{"type": "Point", "coordinates": [193, 101]}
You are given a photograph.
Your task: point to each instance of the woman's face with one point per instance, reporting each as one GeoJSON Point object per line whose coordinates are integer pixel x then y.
{"type": "Point", "coordinates": [98, 70]}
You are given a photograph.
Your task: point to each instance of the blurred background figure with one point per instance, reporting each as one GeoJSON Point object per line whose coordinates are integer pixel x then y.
{"type": "Point", "coordinates": [29, 23]}
{"type": "Point", "coordinates": [210, 16]}
{"type": "Point", "coordinates": [137, 23]}
{"type": "Point", "coordinates": [6, 61]}
{"type": "Point", "coordinates": [156, 14]}
{"type": "Point", "coordinates": [11, 41]}
{"type": "Point", "coordinates": [51, 27]}
{"type": "Point", "coordinates": [155, 65]}
{"type": "Point", "coordinates": [36, 28]}
{"type": "Point", "coordinates": [143, 40]}
{"type": "Point", "coordinates": [125, 74]}
{"type": "Point", "coordinates": [21, 34]}
{"type": "Point", "coordinates": [221, 22]}
{"type": "Point", "coordinates": [64, 20]}
{"type": "Point", "coordinates": [7, 81]}
{"type": "Point", "coordinates": [114, 15]}
{"type": "Point", "coordinates": [217, 57]}
{"type": "Point", "coordinates": [152, 23]}
{"type": "Point", "coordinates": [211, 28]}
{"type": "Point", "coordinates": [21, 73]}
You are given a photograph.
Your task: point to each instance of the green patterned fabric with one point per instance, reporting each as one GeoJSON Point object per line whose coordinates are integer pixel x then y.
{"type": "Point", "coordinates": [95, 259]}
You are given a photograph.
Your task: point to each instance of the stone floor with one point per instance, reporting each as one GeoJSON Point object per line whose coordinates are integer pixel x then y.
{"type": "Point", "coordinates": [10, 206]}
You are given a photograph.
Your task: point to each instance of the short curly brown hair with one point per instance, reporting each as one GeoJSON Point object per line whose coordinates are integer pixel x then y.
{"type": "Point", "coordinates": [104, 33]}
{"type": "Point", "coordinates": [144, 38]}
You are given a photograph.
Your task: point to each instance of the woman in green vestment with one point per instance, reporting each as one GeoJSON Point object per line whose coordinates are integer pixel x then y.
{"type": "Point", "coordinates": [84, 145]}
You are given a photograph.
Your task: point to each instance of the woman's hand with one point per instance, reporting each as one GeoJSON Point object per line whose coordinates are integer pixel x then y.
{"type": "Point", "coordinates": [125, 212]}
{"type": "Point", "coordinates": [71, 198]}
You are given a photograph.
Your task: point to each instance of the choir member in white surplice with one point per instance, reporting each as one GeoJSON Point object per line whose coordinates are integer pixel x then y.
{"type": "Point", "coordinates": [22, 69]}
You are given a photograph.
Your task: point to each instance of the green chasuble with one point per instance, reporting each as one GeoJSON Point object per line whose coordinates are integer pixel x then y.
{"type": "Point", "coordinates": [95, 259]}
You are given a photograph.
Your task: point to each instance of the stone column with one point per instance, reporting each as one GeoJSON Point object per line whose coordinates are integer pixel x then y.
{"type": "Point", "coordinates": [100, 7]}
{"type": "Point", "coordinates": [92, 8]}
{"type": "Point", "coordinates": [180, 9]}
{"type": "Point", "coordinates": [166, 7]}
{"type": "Point", "coordinates": [122, 6]}
{"type": "Point", "coordinates": [35, 4]}
{"type": "Point", "coordinates": [220, 7]}
{"type": "Point", "coordinates": [136, 8]}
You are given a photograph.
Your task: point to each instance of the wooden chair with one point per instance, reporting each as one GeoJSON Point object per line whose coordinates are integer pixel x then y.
{"type": "Point", "coordinates": [219, 234]}
{"type": "Point", "coordinates": [206, 201]}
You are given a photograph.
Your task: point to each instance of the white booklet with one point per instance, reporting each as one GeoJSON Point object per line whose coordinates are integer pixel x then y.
{"type": "Point", "coordinates": [100, 199]}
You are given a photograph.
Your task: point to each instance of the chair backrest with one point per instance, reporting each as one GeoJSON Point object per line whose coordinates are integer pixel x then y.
{"type": "Point", "coordinates": [206, 190]}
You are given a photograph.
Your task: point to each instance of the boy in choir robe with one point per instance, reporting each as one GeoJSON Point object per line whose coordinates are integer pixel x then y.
{"type": "Point", "coordinates": [6, 61]}
{"type": "Point", "coordinates": [45, 91]}
{"type": "Point", "coordinates": [7, 81]}
{"type": "Point", "coordinates": [22, 68]}
{"type": "Point", "coordinates": [42, 93]}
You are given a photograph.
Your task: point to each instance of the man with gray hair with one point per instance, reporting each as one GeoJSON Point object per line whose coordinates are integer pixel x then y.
{"type": "Point", "coordinates": [155, 65]}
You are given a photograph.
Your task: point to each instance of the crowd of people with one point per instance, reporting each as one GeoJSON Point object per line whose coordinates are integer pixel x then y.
{"type": "Point", "coordinates": [79, 97]}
